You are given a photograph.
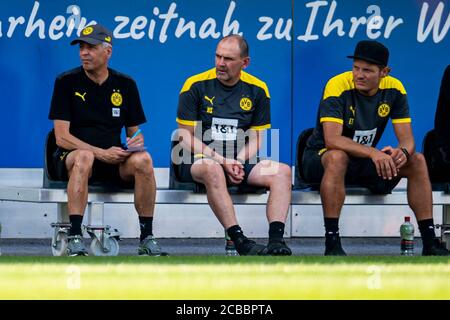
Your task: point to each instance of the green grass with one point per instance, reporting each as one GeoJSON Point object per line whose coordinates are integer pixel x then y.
{"type": "Point", "coordinates": [203, 277]}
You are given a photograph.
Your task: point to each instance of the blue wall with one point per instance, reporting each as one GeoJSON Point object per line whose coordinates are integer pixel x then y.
{"type": "Point", "coordinates": [294, 69]}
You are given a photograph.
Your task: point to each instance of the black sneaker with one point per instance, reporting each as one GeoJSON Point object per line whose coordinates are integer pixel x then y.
{"type": "Point", "coordinates": [246, 247]}
{"type": "Point", "coordinates": [436, 249]}
{"type": "Point", "coordinates": [277, 247]}
{"type": "Point", "coordinates": [333, 246]}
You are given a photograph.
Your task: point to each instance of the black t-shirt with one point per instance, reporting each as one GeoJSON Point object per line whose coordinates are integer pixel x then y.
{"type": "Point", "coordinates": [363, 118]}
{"type": "Point", "coordinates": [224, 113]}
{"type": "Point", "coordinates": [442, 118]}
{"type": "Point", "coordinates": [97, 113]}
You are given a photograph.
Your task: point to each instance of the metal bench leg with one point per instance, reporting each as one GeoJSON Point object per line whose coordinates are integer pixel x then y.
{"type": "Point", "coordinates": [61, 232]}
{"type": "Point", "coordinates": [104, 239]}
{"type": "Point", "coordinates": [445, 231]}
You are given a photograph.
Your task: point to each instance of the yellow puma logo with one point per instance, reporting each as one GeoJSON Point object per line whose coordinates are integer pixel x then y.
{"type": "Point", "coordinates": [77, 94]}
{"type": "Point", "coordinates": [352, 110]}
{"type": "Point", "coordinates": [210, 100]}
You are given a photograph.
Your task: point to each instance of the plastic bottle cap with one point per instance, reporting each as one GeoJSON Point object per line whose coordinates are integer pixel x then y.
{"type": "Point", "coordinates": [407, 219]}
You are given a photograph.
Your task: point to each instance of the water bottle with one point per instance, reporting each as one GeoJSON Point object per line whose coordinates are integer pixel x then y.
{"type": "Point", "coordinates": [407, 235]}
{"type": "Point", "coordinates": [230, 248]}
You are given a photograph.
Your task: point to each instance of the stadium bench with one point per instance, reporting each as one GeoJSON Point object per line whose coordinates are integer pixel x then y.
{"type": "Point", "coordinates": [104, 239]}
{"type": "Point", "coordinates": [307, 194]}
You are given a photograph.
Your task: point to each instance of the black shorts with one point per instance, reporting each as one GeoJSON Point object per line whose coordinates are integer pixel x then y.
{"type": "Point", "coordinates": [101, 171]}
{"type": "Point", "coordinates": [360, 172]}
{"type": "Point", "coordinates": [184, 172]}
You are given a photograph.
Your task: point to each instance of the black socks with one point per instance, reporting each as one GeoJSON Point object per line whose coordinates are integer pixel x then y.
{"type": "Point", "coordinates": [276, 231]}
{"type": "Point", "coordinates": [426, 228]}
{"type": "Point", "coordinates": [146, 224]}
{"type": "Point", "coordinates": [235, 232]}
{"type": "Point", "coordinates": [75, 221]}
{"type": "Point", "coordinates": [331, 227]}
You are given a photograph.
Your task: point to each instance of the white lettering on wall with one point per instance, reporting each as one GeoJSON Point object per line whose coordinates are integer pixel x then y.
{"type": "Point", "coordinates": [208, 29]}
{"type": "Point", "coordinates": [123, 21]}
{"type": "Point", "coordinates": [286, 33]}
{"type": "Point", "coordinates": [57, 24]}
{"type": "Point", "coordinates": [74, 19]}
{"type": "Point", "coordinates": [433, 24]}
{"type": "Point", "coordinates": [233, 27]}
{"type": "Point", "coordinates": [262, 35]}
{"type": "Point", "coordinates": [391, 25]}
{"type": "Point", "coordinates": [279, 32]}
{"type": "Point", "coordinates": [183, 27]}
{"type": "Point", "coordinates": [31, 26]}
{"type": "Point", "coordinates": [138, 25]}
{"type": "Point", "coordinates": [13, 23]}
{"type": "Point", "coordinates": [165, 23]}
{"type": "Point", "coordinates": [312, 18]}
{"type": "Point", "coordinates": [330, 26]}
{"type": "Point", "coordinates": [167, 17]}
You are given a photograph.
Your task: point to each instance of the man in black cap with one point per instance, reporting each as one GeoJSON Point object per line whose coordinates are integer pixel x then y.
{"type": "Point", "coordinates": [352, 116]}
{"type": "Point", "coordinates": [90, 106]}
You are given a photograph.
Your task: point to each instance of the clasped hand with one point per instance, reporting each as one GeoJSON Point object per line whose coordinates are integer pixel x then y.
{"type": "Point", "coordinates": [388, 162]}
{"type": "Point", "coordinates": [234, 170]}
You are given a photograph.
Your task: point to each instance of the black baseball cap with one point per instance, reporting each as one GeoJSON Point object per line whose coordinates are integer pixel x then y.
{"type": "Point", "coordinates": [371, 51]}
{"type": "Point", "coordinates": [94, 34]}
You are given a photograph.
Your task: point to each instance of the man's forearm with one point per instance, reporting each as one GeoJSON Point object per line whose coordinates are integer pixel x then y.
{"type": "Point", "coordinates": [250, 149]}
{"type": "Point", "coordinates": [350, 147]}
{"type": "Point", "coordinates": [196, 146]}
{"type": "Point", "coordinates": [70, 142]}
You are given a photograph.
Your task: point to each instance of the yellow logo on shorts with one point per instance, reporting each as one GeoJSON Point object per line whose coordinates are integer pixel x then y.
{"type": "Point", "coordinates": [116, 99]}
{"type": "Point", "coordinates": [88, 30]}
{"type": "Point", "coordinates": [383, 110]}
{"type": "Point", "coordinates": [246, 104]}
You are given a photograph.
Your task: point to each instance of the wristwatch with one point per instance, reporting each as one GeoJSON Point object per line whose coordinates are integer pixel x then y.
{"type": "Point", "coordinates": [405, 151]}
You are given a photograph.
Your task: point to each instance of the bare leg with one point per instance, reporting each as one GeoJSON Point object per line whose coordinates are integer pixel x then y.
{"type": "Point", "coordinates": [332, 187]}
{"type": "Point", "coordinates": [79, 167]}
{"type": "Point", "coordinates": [277, 178]}
{"type": "Point", "coordinates": [139, 167]}
{"type": "Point", "coordinates": [211, 174]}
{"type": "Point", "coordinates": [419, 187]}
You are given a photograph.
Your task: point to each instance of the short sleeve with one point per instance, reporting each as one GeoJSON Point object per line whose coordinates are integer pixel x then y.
{"type": "Point", "coordinates": [400, 112]}
{"type": "Point", "coordinates": [261, 115]}
{"type": "Point", "coordinates": [136, 115]}
{"type": "Point", "coordinates": [331, 109]}
{"type": "Point", "coordinates": [188, 102]}
{"type": "Point", "coordinates": [60, 104]}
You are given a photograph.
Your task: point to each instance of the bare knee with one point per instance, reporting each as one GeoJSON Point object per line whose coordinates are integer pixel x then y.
{"type": "Point", "coordinates": [417, 159]}
{"type": "Point", "coordinates": [283, 175]}
{"type": "Point", "coordinates": [142, 163]}
{"type": "Point", "coordinates": [213, 175]}
{"type": "Point", "coordinates": [417, 164]}
{"type": "Point", "coordinates": [83, 162]}
{"type": "Point", "coordinates": [335, 161]}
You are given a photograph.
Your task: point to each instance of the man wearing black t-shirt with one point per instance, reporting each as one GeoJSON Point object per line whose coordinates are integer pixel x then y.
{"type": "Point", "coordinates": [439, 153]}
{"type": "Point", "coordinates": [352, 116]}
{"type": "Point", "coordinates": [221, 116]}
{"type": "Point", "coordinates": [90, 106]}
